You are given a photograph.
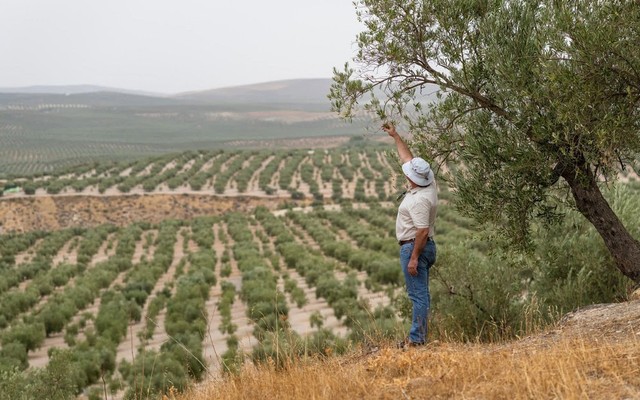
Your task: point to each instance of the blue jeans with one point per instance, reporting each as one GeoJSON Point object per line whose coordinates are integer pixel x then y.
{"type": "Point", "coordinates": [418, 288]}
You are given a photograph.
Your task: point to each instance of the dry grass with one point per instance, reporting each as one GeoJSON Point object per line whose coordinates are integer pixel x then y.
{"type": "Point", "coordinates": [544, 367]}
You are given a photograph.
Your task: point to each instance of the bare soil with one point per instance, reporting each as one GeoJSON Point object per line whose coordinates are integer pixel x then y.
{"type": "Point", "coordinates": [602, 322]}
{"type": "Point", "coordinates": [24, 214]}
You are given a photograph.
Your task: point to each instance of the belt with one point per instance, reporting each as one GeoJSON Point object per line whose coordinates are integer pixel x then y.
{"type": "Point", "coordinates": [403, 242]}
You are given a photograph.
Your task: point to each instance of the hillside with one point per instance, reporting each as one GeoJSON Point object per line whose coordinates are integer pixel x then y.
{"type": "Point", "coordinates": [297, 91]}
{"type": "Point", "coordinates": [191, 184]}
{"type": "Point", "coordinates": [158, 274]}
{"type": "Point", "coordinates": [42, 131]}
{"type": "Point", "coordinates": [62, 212]}
{"type": "Point", "coordinates": [591, 354]}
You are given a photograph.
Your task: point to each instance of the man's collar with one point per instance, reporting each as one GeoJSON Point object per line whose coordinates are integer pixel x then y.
{"type": "Point", "coordinates": [416, 189]}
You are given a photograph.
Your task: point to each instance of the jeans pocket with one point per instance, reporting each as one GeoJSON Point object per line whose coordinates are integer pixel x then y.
{"type": "Point", "coordinates": [405, 251]}
{"type": "Point", "coordinates": [429, 254]}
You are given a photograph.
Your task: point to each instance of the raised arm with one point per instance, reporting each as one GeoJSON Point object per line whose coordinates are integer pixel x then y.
{"type": "Point", "coordinates": [403, 149]}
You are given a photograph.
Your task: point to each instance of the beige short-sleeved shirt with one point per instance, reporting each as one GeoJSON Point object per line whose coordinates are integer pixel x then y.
{"type": "Point", "coordinates": [417, 210]}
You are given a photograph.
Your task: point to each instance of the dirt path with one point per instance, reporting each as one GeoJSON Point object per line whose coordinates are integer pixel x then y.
{"type": "Point", "coordinates": [26, 257]}
{"type": "Point", "coordinates": [215, 344]}
{"type": "Point", "coordinates": [301, 235]}
{"type": "Point", "coordinates": [374, 299]}
{"type": "Point", "coordinates": [106, 250]}
{"type": "Point", "coordinates": [170, 165]}
{"type": "Point", "coordinates": [300, 317]}
{"type": "Point", "coordinates": [223, 167]}
{"type": "Point", "coordinates": [187, 166]}
{"type": "Point", "coordinates": [239, 309]}
{"type": "Point", "coordinates": [275, 180]}
{"type": "Point", "coordinates": [40, 357]}
{"type": "Point", "coordinates": [369, 184]}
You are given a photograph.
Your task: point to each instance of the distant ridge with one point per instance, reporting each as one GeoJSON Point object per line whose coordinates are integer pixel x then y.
{"type": "Point", "coordinates": [292, 94]}
{"type": "Point", "coordinates": [74, 89]}
{"type": "Point", "coordinates": [93, 99]}
{"type": "Point", "coordinates": [286, 91]}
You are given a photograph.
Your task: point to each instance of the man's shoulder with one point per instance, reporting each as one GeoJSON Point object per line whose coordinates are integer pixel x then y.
{"type": "Point", "coordinates": [424, 197]}
{"type": "Point", "coordinates": [429, 196]}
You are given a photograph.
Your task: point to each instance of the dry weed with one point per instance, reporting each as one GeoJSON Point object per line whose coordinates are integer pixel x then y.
{"type": "Point", "coordinates": [568, 368]}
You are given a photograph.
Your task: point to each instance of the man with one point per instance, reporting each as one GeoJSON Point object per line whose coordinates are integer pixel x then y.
{"type": "Point", "coordinates": [415, 234]}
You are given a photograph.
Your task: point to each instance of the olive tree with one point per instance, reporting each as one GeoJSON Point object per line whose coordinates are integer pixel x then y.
{"type": "Point", "coordinates": [539, 102]}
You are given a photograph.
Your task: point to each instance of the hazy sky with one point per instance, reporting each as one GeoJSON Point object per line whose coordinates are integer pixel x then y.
{"type": "Point", "coordinates": [171, 46]}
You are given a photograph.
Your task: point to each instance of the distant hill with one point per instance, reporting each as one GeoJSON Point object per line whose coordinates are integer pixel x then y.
{"type": "Point", "coordinates": [72, 89]}
{"type": "Point", "coordinates": [294, 91]}
{"type": "Point", "coordinates": [302, 93]}
{"type": "Point", "coordinates": [308, 94]}
{"type": "Point", "coordinates": [41, 131]}
{"type": "Point", "coordinates": [44, 127]}
{"type": "Point", "coordinates": [92, 99]}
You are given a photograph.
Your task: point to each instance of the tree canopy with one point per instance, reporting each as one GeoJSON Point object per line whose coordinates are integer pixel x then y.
{"type": "Point", "coordinates": [530, 92]}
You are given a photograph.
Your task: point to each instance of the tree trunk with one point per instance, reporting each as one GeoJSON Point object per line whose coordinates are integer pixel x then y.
{"type": "Point", "coordinates": [624, 249]}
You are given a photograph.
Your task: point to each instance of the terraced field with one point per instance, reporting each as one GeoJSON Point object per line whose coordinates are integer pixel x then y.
{"type": "Point", "coordinates": [358, 173]}
{"type": "Point", "coordinates": [149, 304]}
{"type": "Point", "coordinates": [196, 297]}
{"type": "Point", "coordinates": [162, 304]}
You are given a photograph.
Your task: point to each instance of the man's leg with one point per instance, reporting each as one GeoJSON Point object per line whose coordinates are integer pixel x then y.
{"type": "Point", "coordinates": [418, 292]}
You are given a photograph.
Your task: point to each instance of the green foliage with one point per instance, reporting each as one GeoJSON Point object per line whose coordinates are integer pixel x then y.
{"type": "Point", "coordinates": [493, 293]}
{"type": "Point", "coordinates": [55, 382]}
{"type": "Point", "coordinates": [224, 306]}
{"type": "Point", "coordinates": [232, 358]}
{"type": "Point", "coordinates": [284, 348]}
{"type": "Point", "coordinates": [233, 165]}
{"type": "Point", "coordinates": [291, 164]}
{"type": "Point", "coordinates": [153, 373]}
{"type": "Point", "coordinates": [527, 92]}
{"type": "Point", "coordinates": [218, 169]}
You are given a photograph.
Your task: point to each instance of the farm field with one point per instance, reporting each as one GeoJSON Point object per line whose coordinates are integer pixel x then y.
{"type": "Point", "coordinates": [358, 171]}
{"type": "Point", "coordinates": [41, 132]}
{"type": "Point", "coordinates": [193, 296]}
{"type": "Point", "coordinates": [197, 296]}
{"type": "Point", "coordinates": [307, 267]}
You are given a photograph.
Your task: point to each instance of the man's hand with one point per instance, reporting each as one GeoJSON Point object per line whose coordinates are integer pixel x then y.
{"type": "Point", "coordinates": [403, 150]}
{"type": "Point", "coordinates": [412, 268]}
{"type": "Point", "coordinates": [390, 129]}
{"type": "Point", "coordinates": [422, 236]}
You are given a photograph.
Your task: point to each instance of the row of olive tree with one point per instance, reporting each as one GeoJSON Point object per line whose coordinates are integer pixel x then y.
{"type": "Point", "coordinates": [318, 271]}
{"type": "Point", "coordinates": [180, 357]}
